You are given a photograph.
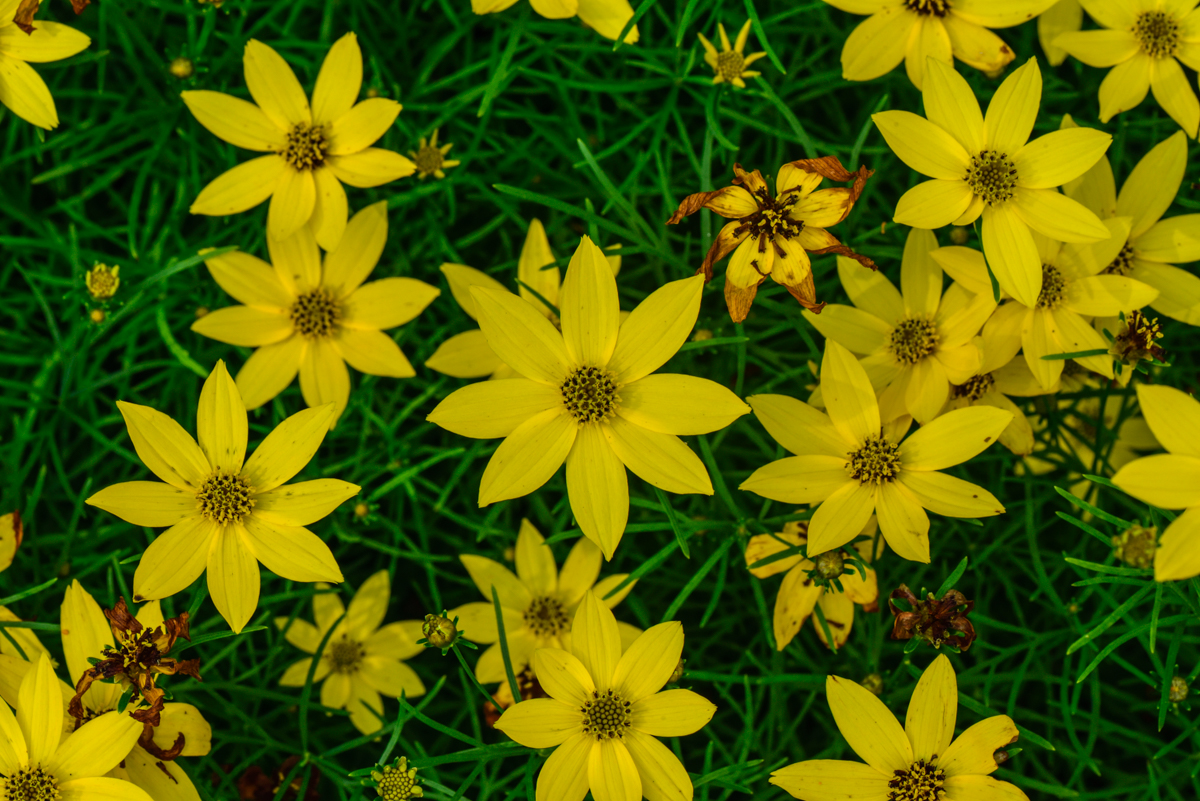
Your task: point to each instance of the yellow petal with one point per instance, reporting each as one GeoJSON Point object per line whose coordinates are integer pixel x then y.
{"type": "Point", "coordinates": [878, 44]}
{"type": "Point", "coordinates": [974, 751]}
{"type": "Point", "coordinates": [461, 278]}
{"type": "Point", "coordinates": [391, 678]}
{"type": "Point", "coordinates": [245, 326]}
{"type": "Point", "coordinates": [535, 561]}
{"type": "Point", "coordinates": [373, 166]}
{"type": "Point", "coordinates": [902, 522]}
{"type": "Point", "coordinates": [148, 775]}
{"type": "Point", "coordinates": [373, 352]}
{"type": "Point", "coordinates": [85, 633]}
{"type": "Point", "coordinates": [649, 663]}
{"type": "Point", "coordinates": [1173, 416]}
{"type": "Point", "coordinates": [465, 355]}
{"type": "Point", "coordinates": [1106, 295]}
{"type": "Point", "coordinates": [25, 93]}
{"type": "Point", "coordinates": [235, 121]}
{"type": "Point", "coordinates": [521, 337]}
{"type": "Point", "coordinates": [932, 711]}
{"type": "Point", "coordinates": [1175, 94]}
{"type": "Point", "coordinates": [1057, 216]}
{"type": "Point", "coordinates": [491, 409]}
{"type": "Point", "coordinates": [798, 479]}
{"type": "Point", "coordinates": [563, 676]}
{"type": "Point", "coordinates": [184, 719]}
{"type": "Point", "coordinates": [287, 449]}
{"type": "Point", "coordinates": [50, 41]}
{"type": "Point", "coordinates": [270, 370]}
{"type": "Point", "coordinates": [933, 204]}
{"type": "Point", "coordinates": [983, 788]}
{"type": "Point", "coordinates": [799, 427]}
{"type": "Point", "coordinates": [608, 18]}
{"type": "Point", "coordinates": [528, 457]}
{"type": "Point", "coordinates": [14, 756]}
{"type": "Point", "coordinates": [328, 221]}
{"type": "Point", "coordinates": [324, 378]}
{"type": "Point", "coordinates": [102, 788]}
{"type": "Point", "coordinates": [679, 404]}
{"type": "Point", "coordinates": [387, 303]}
{"type": "Point", "coordinates": [250, 280]}
{"type": "Point", "coordinates": [952, 438]}
{"type": "Point", "coordinates": [174, 560]}
{"type": "Point", "coordinates": [612, 774]}
{"type": "Point", "coordinates": [1059, 156]}
{"type": "Point", "coordinates": [555, 9]}
{"type": "Point", "coordinates": [302, 503]}
{"type": "Point", "coordinates": [297, 260]}
{"type": "Point", "coordinates": [94, 748]}
{"type": "Point", "coordinates": [976, 45]}
{"type": "Point", "coordinates": [598, 489]}
{"type": "Point", "coordinates": [564, 775]}
{"type": "Point", "coordinates": [489, 575]}
{"type": "Point", "coordinates": [335, 692]}
{"type": "Point", "coordinates": [300, 633]}
{"type": "Point", "coordinates": [589, 307]}
{"type": "Point", "coordinates": [663, 776]}
{"type": "Point", "coordinates": [40, 710]}
{"type": "Point", "coordinates": [868, 726]}
{"type": "Point", "coordinates": [832, 780]}
{"type": "Point", "coordinates": [146, 503]}
{"type": "Point", "coordinates": [579, 572]}
{"type": "Point", "coordinates": [292, 204]}
{"type": "Point", "coordinates": [920, 275]}
{"type": "Point", "coordinates": [858, 331]}
{"type": "Point", "coordinates": [541, 723]}
{"type": "Point", "coordinates": [164, 447]}
{"type": "Point", "coordinates": [841, 517]}
{"type": "Point", "coordinates": [1013, 109]}
{"type": "Point", "coordinates": [233, 578]}
{"type": "Point", "coordinates": [927, 389]}
{"type": "Point", "coordinates": [365, 707]}
{"type": "Point", "coordinates": [1178, 556]}
{"type": "Point", "coordinates": [656, 329]}
{"type": "Point", "coordinates": [596, 642]}
{"type": "Point", "coordinates": [849, 398]}
{"type": "Point", "coordinates": [870, 290]}
{"type": "Point", "coordinates": [1102, 48]}
{"type": "Point", "coordinates": [1142, 196]}
{"type": "Point", "coordinates": [662, 460]}
{"type": "Point", "coordinates": [839, 617]}
{"type": "Point", "coordinates": [536, 255]}
{"type": "Point", "coordinates": [1004, 14]}
{"type": "Point", "coordinates": [241, 188]}
{"type": "Point", "coordinates": [920, 144]}
{"type": "Point", "coordinates": [822, 209]}
{"type": "Point", "coordinates": [949, 496]}
{"type": "Point", "coordinates": [1065, 16]}
{"type": "Point", "coordinates": [361, 126]}
{"type": "Point", "coordinates": [274, 87]}
{"type": "Point", "coordinates": [1125, 86]}
{"type": "Point", "coordinates": [480, 620]}
{"type": "Point", "coordinates": [795, 602]}
{"type": "Point", "coordinates": [1168, 480]}
{"type": "Point", "coordinates": [930, 42]}
{"type": "Point", "coordinates": [221, 421]}
{"type": "Point", "coordinates": [358, 251]}
{"type": "Point", "coordinates": [339, 81]}
{"type": "Point", "coordinates": [369, 605]}
{"type": "Point", "coordinates": [1012, 254]}
{"type": "Point", "coordinates": [396, 640]}
{"type": "Point", "coordinates": [951, 105]}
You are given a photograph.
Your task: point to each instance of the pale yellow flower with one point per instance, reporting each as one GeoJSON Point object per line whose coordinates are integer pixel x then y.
{"type": "Point", "coordinates": [21, 89]}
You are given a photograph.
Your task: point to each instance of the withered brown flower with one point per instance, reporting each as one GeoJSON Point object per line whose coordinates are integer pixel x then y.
{"type": "Point", "coordinates": [773, 236]}
{"type": "Point", "coordinates": [27, 8]}
{"type": "Point", "coordinates": [937, 621]}
{"type": "Point", "coordinates": [255, 784]}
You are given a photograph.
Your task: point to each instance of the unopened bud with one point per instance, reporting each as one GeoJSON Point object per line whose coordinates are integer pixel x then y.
{"type": "Point", "coordinates": [201, 311]}
{"type": "Point", "coordinates": [959, 234]}
{"type": "Point", "coordinates": [1135, 546]}
{"type": "Point", "coordinates": [873, 682]}
{"type": "Point", "coordinates": [182, 68]}
{"type": "Point", "coordinates": [1178, 691]}
{"type": "Point", "coordinates": [701, 335]}
{"type": "Point", "coordinates": [97, 316]}
{"type": "Point", "coordinates": [830, 564]}
{"type": "Point", "coordinates": [441, 632]}
{"type": "Point", "coordinates": [361, 510]}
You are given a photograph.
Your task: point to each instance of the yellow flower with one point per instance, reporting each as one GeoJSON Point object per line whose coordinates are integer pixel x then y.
{"type": "Point", "coordinates": [38, 761]}
{"type": "Point", "coordinates": [1170, 480]}
{"type": "Point", "coordinates": [921, 760]}
{"type": "Point", "coordinates": [774, 235]}
{"type": "Point", "coordinates": [226, 512]}
{"type": "Point", "coordinates": [431, 159]}
{"type": "Point", "coordinates": [538, 602]}
{"type": "Point", "coordinates": [397, 782]}
{"type": "Point", "coordinates": [917, 343]}
{"type": "Point", "coordinates": [854, 465]}
{"type": "Point", "coordinates": [799, 594]}
{"type": "Point", "coordinates": [586, 396]}
{"type": "Point", "coordinates": [21, 89]}
{"type": "Point", "coordinates": [983, 166]}
{"type": "Point", "coordinates": [1154, 245]}
{"type": "Point", "coordinates": [605, 712]}
{"type": "Point", "coordinates": [314, 150]}
{"type": "Point", "coordinates": [86, 633]}
{"type": "Point", "coordinates": [11, 534]}
{"type": "Point", "coordinates": [606, 17]}
{"type": "Point", "coordinates": [468, 355]}
{"type": "Point", "coordinates": [1143, 41]}
{"type": "Point", "coordinates": [1065, 16]}
{"type": "Point", "coordinates": [729, 63]}
{"type": "Point", "coordinates": [363, 657]}
{"type": "Point", "coordinates": [918, 30]}
{"type": "Point", "coordinates": [314, 317]}
{"type": "Point", "coordinates": [103, 281]}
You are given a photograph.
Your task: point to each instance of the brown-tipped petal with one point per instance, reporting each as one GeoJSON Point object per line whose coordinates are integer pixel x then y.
{"type": "Point", "coordinates": [740, 299]}
{"type": "Point", "coordinates": [842, 250]}
{"type": "Point", "coordinates": [728, 201]}
{"type": "Point", "coordinates": [806, 293]}
{"type": "Point", "coordinates": [829, 167]}
{"type": "Point", "coordinates": [753, 181]}
{"type": "Point", "coordinates": [726, 242]}
{"type": "Point", "coordinates": [692, 204]}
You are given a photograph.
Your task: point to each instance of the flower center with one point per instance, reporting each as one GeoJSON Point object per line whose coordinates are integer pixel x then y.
{"type": "Point", "coordinates": [1122, 264]}
{"type": "Point", "coordinates": [921, 782]}
{"type": "Point", "coordinates": [1139, 338]}
{"type": "Point", "coordinates": [429, 159]}
{"type": "Point", "coordinates": [31, 784]}
{"type": "Point", "coordinates": [305, 147]}
{"type": "Point", "coordinates": [316, 313]}
{"type": "Point", "coordinates": [397, 783]}
{"type": "Point", "coordinates": [547, 617]}
{"type": "Point", "coordinates": [913, 339]}
{"type": "Point", "coordinates": [1158, 33]}
{"type": "Point", "coordinates": [730, 64]}
{"type": "Point", "coordinates": [991, 176]}
{"type": "Point", "coordinates": [225, 498]}
{"type": "Point", "coordinates": [876, 461]}
{"type": "Point", "coordinates": [1054, 288]}
{"type": "Point", "coordinates": [975, 387]}
{"type": "Point", "coordinates": [926, 7]}
{"type": "Point", "coordinates": [590, 394]}
{"type": "Point", "coordinates": [345, 655]}
{"type": "Point", "coordinates": [606, 716]}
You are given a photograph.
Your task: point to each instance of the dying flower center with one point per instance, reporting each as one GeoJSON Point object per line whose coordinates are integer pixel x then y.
{"type": "Point", "coordinates": [771, 222]}
{"type": "Point", "coordinates": [590, 394]}
{"type": "Point", "coordinates": [31, 784]}
{"type": "Point", "coordinates": [992, 176]}
{"type": "Point", "coordinates": [225, 498]}
{"type": "Point", "coordinates": [921, 782]}
{"type": "Point", "coordinates": [876, 461]}
{"type": "Point", "coordinates": [606, 716]}
{"type": "Point", "coordinates": [730, 64]}
{"type": "Point", "coordinates": [316, 313]}
{"type": "Point", "coordinates": [429, 159]}
{"type": "Point", "coordinates": [1158, 33]}
{"type": "Point", "coordinates": [1139, 339]}
{"type": "Point", "coordinates": [306, 146]}
{"type": "Point", "coordinates": [1135, 546]}
{"type": "Point", "coordinates": [1054, 288]}
{"type": "Point", "coordinates": [913, 339]}
{"type": "Point", "coordinates": [1122, 264]}
{"type": "Point", "coordinates": [345, 655]}
{"type": "Point", "coordinates": [547, 617]}
{"type": "Point", "coordinates": [975, 387]}
{"type": "Point", "coordinates": [938, 8]}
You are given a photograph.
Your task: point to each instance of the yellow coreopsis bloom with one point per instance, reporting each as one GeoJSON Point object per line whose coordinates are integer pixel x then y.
{"type": "Point", "coordinates": [38, 760]}
{"type": "Point", "coordinates": [21, 89]}
{"type": "Point", "coordinates": [312, 316]}
{"type": "Point", "coordinates": [1065, 16]}
{"type": "Point", "coordinates": [538, 602]}
{"type": "Point", "coordinates": [226, 513]}
{"type": "Point", "coordinates": [799, 595]}
{"type": "Point", "coordinates": [729, 63]}
{"type": "Point", "coordinates": [586, 396]}
{"type": "Point", "coordinates": [1153, 246]}
{"type": "Point", "coordinates": [468, 355]}
{"type": "Point", "coordinates": [86, 633]}
{"type": "Point", "coordinates": [922, 760]}
{"type": "Point", "coordinates": [1143, 41]}
{"type": "Point", "coordinates": [984, 166]}
{"type": "Point", "coordinates": [314, 149]}
{"type": "Point", "coordinates": [430, 159]}
{"type": "Point", "coordinates": [605, 712]}
{"type": "Point", "coordinates": [855, 465]}
{"type": "Point", "coordinates": [917, 342]}
{"type": "Point", "coordinates": [917, 30]}
{"type": "Point", "coordinates": [1170, 480]}
{"type": "Point", "coordinates": [606, 17]}
{"type": "Point", "coordinates": [363, 658]}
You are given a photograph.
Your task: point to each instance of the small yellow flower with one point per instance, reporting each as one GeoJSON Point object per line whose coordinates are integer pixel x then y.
{"type": "Point", "coordinates": [538, 602]}
{"type": "Point", "coordinates": [21, 89]}
{"type": "Point", "coordinates": [1065, 16]}
{"type": "Point", "coordinates": [605, 712]}
{"type": "Point", "coordinates": [606, 17]}
{"type": "Point", "coordinates": [397, 782]}
{"type": "Point", "coordinates": [921, 760]}
{"type": "Point", "coordinates": [363, 657]}
{"type": "Point", "coordinates": [312, 316]}
{"type": "Point", "coordinates": [729, 63]}
{"type": "Point", "coordinates": [430, 159]}
{"type": "Point", "coordinates": [1144, 44]}
{"type": "Point", "coordinates": [226, 513]}
{"type": "Point", "coordinates": [102, 281]}
{"type": "Point", "coordinates": [314, 149]}
{"type": "Point", "coordinates": [985, 167]}
{"type": "Point", "coordinates": [855, 466]}
{"type": "Point", "coordinates": [586, 396]}
{"type": "Point", "coordinates": [1170, 480]}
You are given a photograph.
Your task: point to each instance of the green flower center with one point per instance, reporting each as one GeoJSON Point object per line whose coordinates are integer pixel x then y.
{"type": "Point", "coordinates": [1158, 33]}
{"type": "Point", "coordinates": [921, 782]}
{"type": "Point", "coordinates": [913, 339]}
{"type": "Point", "coordinates": [429, 159]}
{"type": "Point", "coordinates": [875, 462]}
{"type": "Point", "coordinates": [547, 617]}
{"type": "Point", "coordinates": [730, 64]}
{"type": "Point", "coordinates": [345, 655]}
{"type": "Point", "coordinates": [1123, 263]}
{"type": "Point", "coordinates": [992, 176]}
{"type": "Point", "coordinates": [306, 146]}
{"type": "Point", "coordinates": [590, 394]}
{"type": "Point", "coordinates": [606, 716]}
{"type": "Point", "coordinates": [975, 387]}
{"type": "Point", "coordinates": [225, 498]}
{"type": "Point", "coordinates": [316, 313]}
{"type": "Point", "coordinates": [1054, 288]}
{"type": "Point", "coordinates": [938, 8]}
{"type": "Point", "coordinates": [830, 564]}
{"type": "Point", "coordinates": [31, 784]}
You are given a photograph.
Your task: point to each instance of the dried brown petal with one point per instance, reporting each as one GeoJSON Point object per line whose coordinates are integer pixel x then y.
{"type": "Point", "coordinates": [24, 16]}
{"type": "Point", "coordinates": [740, 299]}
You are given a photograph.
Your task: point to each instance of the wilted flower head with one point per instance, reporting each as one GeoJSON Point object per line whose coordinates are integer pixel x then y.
{"type": "Point", "coordinates": [937, 621]}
